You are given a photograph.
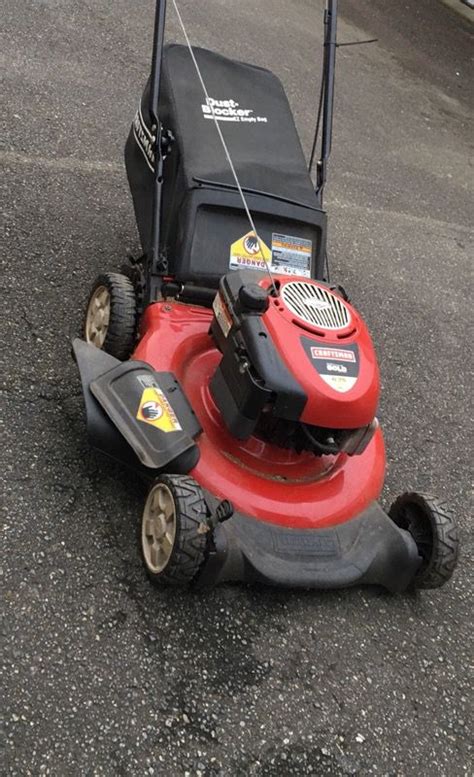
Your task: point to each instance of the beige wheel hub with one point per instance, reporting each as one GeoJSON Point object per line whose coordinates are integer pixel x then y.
{"type": "Point", "coordinates": [158, 528]}
{"type": "Point", "coordinates": [98, 317]}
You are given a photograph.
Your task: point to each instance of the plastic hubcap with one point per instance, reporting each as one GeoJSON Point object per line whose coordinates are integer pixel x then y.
{"type": "Point", "coordinates": [158, 528]}
{"type": "Point", "coordinates": [98, 317]}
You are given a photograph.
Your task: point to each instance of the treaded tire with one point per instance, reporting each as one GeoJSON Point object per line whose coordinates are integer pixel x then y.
{"type": "Point", "coordinates": [430, 522]}
{"type": "Point", "coordinates": [188, 548]}
{"type": "Point", "coordinates": [120, 331]}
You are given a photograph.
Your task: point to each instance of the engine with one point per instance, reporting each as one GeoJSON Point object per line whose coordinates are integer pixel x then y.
{"type": "Point", "coordinates": [298, 366]}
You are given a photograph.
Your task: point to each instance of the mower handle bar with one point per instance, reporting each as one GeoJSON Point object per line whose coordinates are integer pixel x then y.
{"type": "Point", "coordinates": [155, 268]}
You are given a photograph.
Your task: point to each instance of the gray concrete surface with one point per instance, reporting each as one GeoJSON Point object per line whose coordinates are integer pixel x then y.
{"type": "Point", "coordinates": [101, 674]}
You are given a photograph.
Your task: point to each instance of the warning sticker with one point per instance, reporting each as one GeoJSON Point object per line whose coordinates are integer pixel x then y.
{"type": "Point", "coordinates": [249, 253]}
{"type": "Point", "coordinates": [222, 314]}
{"type": "Point", "coordinates": [155, 409]}
{"type": "Point", "coordinates": [291, 255]}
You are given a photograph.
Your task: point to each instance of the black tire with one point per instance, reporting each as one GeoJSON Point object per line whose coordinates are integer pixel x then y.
{"type": "Point", "coordinates": [117, 337]}
{"type": "Point", "coordinates": [432, 526]}
{"type": "Point", "coordinates": [188, 546]}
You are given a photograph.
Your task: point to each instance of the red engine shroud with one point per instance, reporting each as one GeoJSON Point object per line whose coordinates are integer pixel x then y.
{"type": "Point", "coordinates": [346, 409]}
{"type": "Point", "coordinates": [262, 480]}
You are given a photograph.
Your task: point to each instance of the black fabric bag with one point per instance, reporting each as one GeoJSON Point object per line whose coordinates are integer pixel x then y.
{"type": "Point", "coordinates": [199, 194]}
{"type": "Point", "coordinates": [254, 116]}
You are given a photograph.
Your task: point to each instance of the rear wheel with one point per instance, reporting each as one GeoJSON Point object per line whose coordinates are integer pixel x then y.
{"type": "Point", "coordinates": [111, 316]}
{"type": "Point", "coordinates": [431, 524]}
{"type": "Point", "coordinates": [173, 549]}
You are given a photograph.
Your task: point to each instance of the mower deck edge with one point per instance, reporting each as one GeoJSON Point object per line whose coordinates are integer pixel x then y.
{"type": "Point", "coordinates": [368, 549]}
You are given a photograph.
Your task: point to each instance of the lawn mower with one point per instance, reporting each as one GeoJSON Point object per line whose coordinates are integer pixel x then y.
{"type": "Point", "coordinates": [223, 365]}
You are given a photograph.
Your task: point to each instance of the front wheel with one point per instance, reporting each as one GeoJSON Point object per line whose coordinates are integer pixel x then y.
{"type": "Point", "coordinates": [172, 547]}
{"type": "Point", "coordinates": [431, 524]}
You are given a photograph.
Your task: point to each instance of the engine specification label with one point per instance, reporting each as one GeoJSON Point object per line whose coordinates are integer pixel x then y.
{"type": "Point", "coordinates": [291, 255]}
{"type": "Point", "coordinates": [337, 366]}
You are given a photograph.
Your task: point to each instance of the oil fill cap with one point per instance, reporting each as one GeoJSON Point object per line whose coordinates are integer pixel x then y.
{"type": "Point", "coordinates": [253, 298]}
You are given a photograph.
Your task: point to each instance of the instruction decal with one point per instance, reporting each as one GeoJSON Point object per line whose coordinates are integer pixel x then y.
{"type": "Point", "coordinates": [291, 255]}
{"type": "Point", "coordinates": [155, 409]}
{"type": "Point", "coordinates": [249, 253]}
{"type": "Point", "coordinates": [338, 367]}
{"type": "Point", "coordinates": [222, 314]}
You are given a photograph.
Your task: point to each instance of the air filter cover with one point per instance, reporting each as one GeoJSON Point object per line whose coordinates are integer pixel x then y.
{"type": "Point", "coordinates": [316, 305]}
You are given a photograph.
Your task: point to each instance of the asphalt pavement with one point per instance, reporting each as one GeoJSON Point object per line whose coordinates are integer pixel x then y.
{"type": "Point", "coordinates": [101, 674]}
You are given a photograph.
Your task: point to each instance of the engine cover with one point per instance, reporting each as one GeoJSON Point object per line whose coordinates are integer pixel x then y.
{"type": "Point", "coordinates": [302, 355]}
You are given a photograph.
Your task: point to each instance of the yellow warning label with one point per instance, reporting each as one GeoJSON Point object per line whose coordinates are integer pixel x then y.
{"type": "Point", "coordinates": [249, 252]}
{"type": "Point", "coordinates": [155, 409]}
